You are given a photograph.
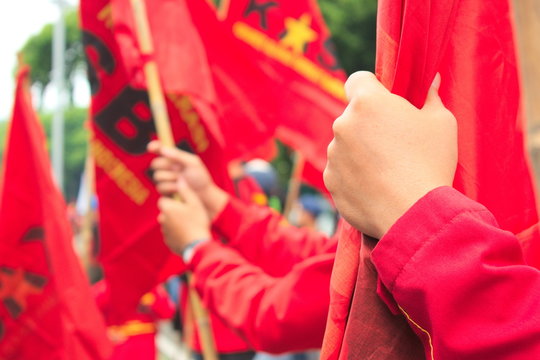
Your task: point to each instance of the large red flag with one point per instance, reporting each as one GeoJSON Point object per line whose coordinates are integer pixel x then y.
{"type": "Point", "coordinates": [133, 254]}
{"type": "Point", "coordinates": [470, 42]}
{"type": "Point", "coordinates": [287, 67]}
{"type": "Point", "coordinates": [291, 45]}
{"type": "Point", "coordinates": [46, 308]}
{"type": "Point", "coordinates": [272, 72]}
{"type": "Point", "coordinates": [181, 59]}
{"type": "Point", "coordinates": [178, 52]}
{"type": "Point", "coordinates": [181, 56]}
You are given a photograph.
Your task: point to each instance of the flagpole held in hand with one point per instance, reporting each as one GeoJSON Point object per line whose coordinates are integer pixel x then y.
{"type": "Point", "coordinates": [164, 132]}
{"type": "Point", "coordinates": [294, 183]}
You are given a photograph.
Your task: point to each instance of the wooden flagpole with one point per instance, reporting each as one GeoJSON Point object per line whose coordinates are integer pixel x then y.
{"type": "Point", "coordinates": [527, 24]}
{"type": "Point", "coordinates": [294, 184]}
{"type": "Point", "coordinates": [164, 132]}
{"type": "Point", "coordinates": [86, 233]}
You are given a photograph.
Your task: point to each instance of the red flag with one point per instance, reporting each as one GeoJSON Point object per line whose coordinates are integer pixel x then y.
{"type": "Point", "coordinates": [133, 254]}
{"type": "Point", "coordinates": [296, 86]}
{"type": "Point", "coordinates": [46, 308]}
{"type": "Point", "coordinates": [470, 42]}
{"type": "Point", "coordinates": [291, 45]}
{"type": "Point", "coordinates": [178, 51]}
{"type": "Point", "coordinates": [181, 56]}
{"type": "Point", "coordinates": [285, 85]}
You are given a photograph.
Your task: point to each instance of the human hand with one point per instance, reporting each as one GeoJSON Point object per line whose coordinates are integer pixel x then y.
{"type": "Point", "coordinates": [386, 154]}
{"type": "Point", "coordinates": [183, 222]}
{"type": "Point", "coordinates": [172, 163]}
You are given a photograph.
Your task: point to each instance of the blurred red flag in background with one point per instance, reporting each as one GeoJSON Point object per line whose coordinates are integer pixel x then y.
{"type": "Point", "coordinates": [132, 252]}
{"type": "Point", "coordinates": [267, 71]}
{"type": "Point", "coordinates": [46, 307]}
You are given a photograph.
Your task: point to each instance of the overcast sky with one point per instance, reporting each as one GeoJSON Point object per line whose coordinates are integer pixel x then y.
{"type": "Point", "coordinates": [18, 21]}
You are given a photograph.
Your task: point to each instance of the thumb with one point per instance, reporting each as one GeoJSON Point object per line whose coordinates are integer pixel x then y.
{"type": "Point", "coordinates": [433, 98]}
{"type": "Point", "coordinates": [186, 194]}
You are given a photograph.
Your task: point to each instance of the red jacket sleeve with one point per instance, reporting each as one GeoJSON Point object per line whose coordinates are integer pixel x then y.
{"type": "Point", "coordinates": [273, 314]}
{"type": "Point", "coordinates": [264, 238]}
{"type": "Point", "coordinates": [161, 305]}
{"type": "Point", "coordinates": [461, 281]}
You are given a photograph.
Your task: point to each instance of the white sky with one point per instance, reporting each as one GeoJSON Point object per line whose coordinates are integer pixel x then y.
{"type": "Point", "coordinates": [18, 21]}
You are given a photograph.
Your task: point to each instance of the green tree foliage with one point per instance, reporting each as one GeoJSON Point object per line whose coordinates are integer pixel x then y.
{"type": "Point", "coordinates": [37, 52]}
{"type": "Point", "coordinates": [3, 130]}
{"type": "Point", "coordinates": [352, 24]}
{"type": "Point", "coordinates": [75, 145]}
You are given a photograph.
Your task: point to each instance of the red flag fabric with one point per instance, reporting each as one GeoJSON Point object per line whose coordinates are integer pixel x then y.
{"type": "Point", "coordinates": [133, 254]}
{"type": "Point", "coordinates": [180, 58]}
{"type": "Point", "coordinates": [290, 43]}
{"type": "Point", "coordinates": [46, 307]}
{"type": "Point", "coordinates": [470, 42]}
{"type": "Point", "coordinates": [292, 47]}
{"type": "Point", "coordinates": [178, 51]}
{"type": "Point", "coordinates": [273, 70]}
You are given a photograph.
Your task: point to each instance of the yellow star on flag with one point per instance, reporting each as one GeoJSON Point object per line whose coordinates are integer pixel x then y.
{"type": "Point", "coordinates": [298, 33]}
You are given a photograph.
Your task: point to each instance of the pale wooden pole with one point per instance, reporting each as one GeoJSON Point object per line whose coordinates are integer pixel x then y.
{"type": "Point", "coordinates": [294, 183]}
{"type": "Point", "coordinates": [527, 21]}
{"type": "Point", "coordinates": [88, 219]}
{"type": "Point", "coordinates": [164, 132]}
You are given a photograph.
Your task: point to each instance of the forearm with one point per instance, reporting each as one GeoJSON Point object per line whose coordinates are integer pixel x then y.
{"type": "Point", "coordinates": [273, 314]}
{"type": "Point", "coordinates": [262, 236]}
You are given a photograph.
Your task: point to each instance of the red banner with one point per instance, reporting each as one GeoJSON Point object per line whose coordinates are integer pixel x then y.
{"type": "Point", "coordinates": [272, 71]}
{"type": "Point", "coordinates": [133, 253]}
{"type": "Point", "coordinates": [46, 307]}
{"type": "Point", "coordinates": [178, 51]}
{"type": "Point", "coordinates": [471, 44]}
{"type": "Point", "coordinates": [290, 43]}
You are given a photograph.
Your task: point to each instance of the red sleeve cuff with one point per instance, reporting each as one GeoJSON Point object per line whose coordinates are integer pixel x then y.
{"type": "Point", "coordinates": [199, 253]}
{"type": "Point", "coordinates": [229, 220]}
{"type": "Point", "coordinates": [422, 222]}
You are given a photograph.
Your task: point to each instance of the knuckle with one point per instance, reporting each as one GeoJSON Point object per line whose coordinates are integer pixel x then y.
{"type": "Point", "coordinates": [359, 77]}
{"type": "Point", "coordinates": [358, 101]}
{"type": "Point", "coordinates": [338, 126]}
{"type": "Point", "coordinates": [358, 81]}
{"type": "Point", "coordinates": [330, 150]}
{"type": "Point", "coordinates": [327, 177]}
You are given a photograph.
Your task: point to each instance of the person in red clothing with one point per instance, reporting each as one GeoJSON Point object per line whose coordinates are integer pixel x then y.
{"type": "Point", "coordinates": [460, 281]}
{"type": "Point", "coordinates": [135, 338]}
{"type": "Point", "coordinates": [268, 281]}
{"type": "Point", "coordinates": [443, 262]}
{"type": "Point", "coordinates": [229, 345]}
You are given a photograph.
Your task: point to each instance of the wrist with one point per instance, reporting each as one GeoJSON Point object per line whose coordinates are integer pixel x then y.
{"type": "Point", "coordinates": [399, 208]}
{"type": "Point", "coordinates": [189, 249]}
{"type": "Point", "coordinates": [214, 200]}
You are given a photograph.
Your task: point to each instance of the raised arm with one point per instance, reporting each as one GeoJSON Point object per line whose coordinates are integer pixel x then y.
{"type": "Point", "coordinates": [274, 314]}
{"type": "Point", "coordinates": [259, 233]}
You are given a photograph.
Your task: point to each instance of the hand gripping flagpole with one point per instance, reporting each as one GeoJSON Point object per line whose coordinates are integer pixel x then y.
{"type": "Point", "coordinates": [294, 184]}
{"type": "Point", "coordinates": [164, 132]}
